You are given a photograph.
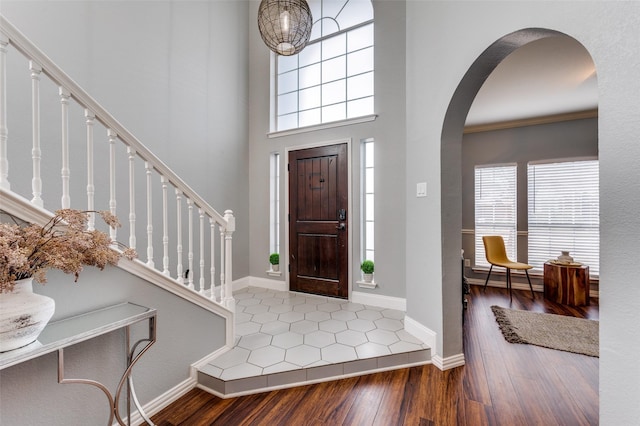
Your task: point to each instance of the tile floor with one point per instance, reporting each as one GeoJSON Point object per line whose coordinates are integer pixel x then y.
{"type": "Point", "coordinates": [280, 331]}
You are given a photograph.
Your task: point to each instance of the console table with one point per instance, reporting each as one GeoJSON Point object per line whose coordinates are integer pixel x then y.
{"type": "Point", "coordinates": [566, 284]}
{"type": "Point", "coordinates": [61, 334]}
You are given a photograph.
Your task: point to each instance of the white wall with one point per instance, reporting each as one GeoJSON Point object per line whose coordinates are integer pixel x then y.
{"type": "Point", "coordinates": [443, 40]}
{"type": "Point", "coordinates": [387, 130]}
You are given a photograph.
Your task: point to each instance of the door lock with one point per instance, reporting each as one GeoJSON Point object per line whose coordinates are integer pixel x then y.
{"type": "Point", "coordinates": [341, 227]}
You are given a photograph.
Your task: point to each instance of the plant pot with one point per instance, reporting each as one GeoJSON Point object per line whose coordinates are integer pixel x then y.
{"type": "Point", "coordinates": [367, 278]}
{"type": "Point", "coordinates": [275, 268]}
{"type": "Point", "coordinates": [23, 315]}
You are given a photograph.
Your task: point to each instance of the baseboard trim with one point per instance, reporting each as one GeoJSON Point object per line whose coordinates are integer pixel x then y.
{"type": "Point", "coordinates": [267, 283]}
{"type": "Point", "coordinates": [448, 362]}
{"type": "Point", "coordinates": [389, 302]}
{"type": "Point", "coordinates": [159, 403]}
{"type": "Point", "coordinates": [520, 286]}
{"type": "Point", "coordinates": [428, 336]}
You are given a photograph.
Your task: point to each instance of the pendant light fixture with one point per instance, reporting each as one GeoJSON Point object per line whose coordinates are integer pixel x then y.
{"type": "Point", "coordinates": [285, 25]}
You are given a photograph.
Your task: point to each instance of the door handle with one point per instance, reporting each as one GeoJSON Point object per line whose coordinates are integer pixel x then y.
{"type": "Point", "coordinates": [341, 227]}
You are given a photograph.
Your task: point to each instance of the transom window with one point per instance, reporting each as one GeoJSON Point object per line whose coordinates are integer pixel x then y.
{"type": "Point", "coordinates": [332, 78]}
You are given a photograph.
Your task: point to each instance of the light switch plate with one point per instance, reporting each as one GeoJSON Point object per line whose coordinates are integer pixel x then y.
{"type": "Point", "coordinates": [421, 189]}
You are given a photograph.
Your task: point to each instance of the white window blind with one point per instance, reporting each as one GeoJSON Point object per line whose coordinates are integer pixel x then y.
{"type": "Point", "coordinates": [495, 208]}
{"type": "Point", "coordinates": [564, 212]}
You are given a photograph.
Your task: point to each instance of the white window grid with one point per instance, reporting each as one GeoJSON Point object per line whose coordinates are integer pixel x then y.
{"type": "Point", "coordinates": [368, 200]}
{"type": "Point", "coordinates": [274, 203]}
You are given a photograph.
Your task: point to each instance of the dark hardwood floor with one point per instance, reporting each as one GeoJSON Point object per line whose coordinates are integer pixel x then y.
{"type": "Point", "coordinates": [501, 384]}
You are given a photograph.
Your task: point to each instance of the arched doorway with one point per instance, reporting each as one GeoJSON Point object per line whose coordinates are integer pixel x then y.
{"type": "Point", "coordinates": [451, 177]}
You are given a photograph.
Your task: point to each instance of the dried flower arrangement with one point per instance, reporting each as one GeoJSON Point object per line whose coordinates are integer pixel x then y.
{"type": "Point", "coordinates": [63, 243]}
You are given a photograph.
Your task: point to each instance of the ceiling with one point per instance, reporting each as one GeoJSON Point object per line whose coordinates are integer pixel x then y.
{"type": "Point", "coordinates": [551, 76]}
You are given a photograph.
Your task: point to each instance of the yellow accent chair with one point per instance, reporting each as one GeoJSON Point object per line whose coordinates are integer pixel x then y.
{"type": "Point", "coordinates": [497, 256]}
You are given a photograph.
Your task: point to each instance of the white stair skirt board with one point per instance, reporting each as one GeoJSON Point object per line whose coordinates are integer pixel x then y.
{"type": "Point", "coordinates": [389, 302]}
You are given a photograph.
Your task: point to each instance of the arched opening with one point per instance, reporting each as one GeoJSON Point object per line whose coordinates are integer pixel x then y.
{"type": "Point", "coordinates": [451, 171]}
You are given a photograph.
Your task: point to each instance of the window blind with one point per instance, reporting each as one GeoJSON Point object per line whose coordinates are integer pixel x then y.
{"type": "Point", "coordinates": [495, 208]}
{"type": "Point", "coordinates": [564, 212]}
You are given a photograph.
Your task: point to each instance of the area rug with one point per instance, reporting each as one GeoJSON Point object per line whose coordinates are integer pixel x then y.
{"type": "Point", "coordinates": [559, 332]}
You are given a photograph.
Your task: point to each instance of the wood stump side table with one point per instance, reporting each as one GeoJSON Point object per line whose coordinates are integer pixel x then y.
{"type": "Point", "coordinates": [566, 284]}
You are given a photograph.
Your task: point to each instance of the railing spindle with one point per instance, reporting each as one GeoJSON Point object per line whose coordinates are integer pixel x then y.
{"type": "Point", "coordinates": [4, 160]}
{"type": "Point", "coordinates": [90, 118]}
{"type": "Point", "coordinates": [179, 271]}
{"type": "Point", "coordinates": [66, 171]}
{"type": "Point", "coordinates": [113, 136]}
{"type": "Point", "coordinates": [190, 254]}
{"type": "Point", "coordinates": [132, 197]}
{"type": "Point", "coordinates": [165, 227]}
{"type": "Point", "coordinates": [36, 152]}
{"type": "Point", "coordinates": [150, 263]}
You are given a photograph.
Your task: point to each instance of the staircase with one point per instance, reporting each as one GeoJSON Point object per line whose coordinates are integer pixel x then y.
{"type": "Point", "coordinates": [192, 236]}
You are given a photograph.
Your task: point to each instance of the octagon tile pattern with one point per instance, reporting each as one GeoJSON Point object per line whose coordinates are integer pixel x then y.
{"type": "Point", "coordinates": [283, 332]}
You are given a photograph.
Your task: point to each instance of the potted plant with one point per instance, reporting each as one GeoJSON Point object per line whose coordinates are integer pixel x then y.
{"type": "Point", "coordinates": [274, 260]}
{"type": "Point", "coordinates": [367, 271]}
{"type": "Point", "coordinates": [28, 251]}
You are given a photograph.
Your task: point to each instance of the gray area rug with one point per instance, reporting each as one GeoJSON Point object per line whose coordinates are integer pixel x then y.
{"type": "Point", "coordinates": [559, 332]}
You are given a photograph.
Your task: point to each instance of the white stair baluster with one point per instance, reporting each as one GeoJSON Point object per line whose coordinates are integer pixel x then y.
{"type": "Point", "coordinates": [202, 262]}
{"type": "Point", "coordinates": [132, 197]}
{"type": "Point", "coordinates": [150, 263]}
{"type": "Point", "coordinates": [165, 228]}
{"type": "Point", "coordinates": [4, 160]}
{"type": "Point", "coordinates": [36, 152]}
{"type": "Point", "coordinates": [179, 271]}
{"type": "Point", "coordinates": [212, 237]}
{"type": "Point", "coordinates": [113, 136]}
{"type": "Point", "coordinates": [66, 171]}
{"type": "Point", "coordinates": [90, 118]}
{"type": "Point", "coordinates": [190, 254]}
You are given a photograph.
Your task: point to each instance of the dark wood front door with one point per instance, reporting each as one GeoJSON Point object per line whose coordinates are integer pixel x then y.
{"type": "Point", "coordinates": [318, 226]}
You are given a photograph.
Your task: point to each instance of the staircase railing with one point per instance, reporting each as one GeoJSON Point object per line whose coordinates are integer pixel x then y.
{"type": "Point", "coordinates": [204, 266]}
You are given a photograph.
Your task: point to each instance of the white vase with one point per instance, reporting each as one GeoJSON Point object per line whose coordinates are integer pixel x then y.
{"type": "Point", "coordinates": [367, 278]}
{"type": "Point", "coordinates": [565, 257]}
{"type": "Point", "coordinates": [23, 315]}
{"type": "Point", "coordinates": [275, 268]}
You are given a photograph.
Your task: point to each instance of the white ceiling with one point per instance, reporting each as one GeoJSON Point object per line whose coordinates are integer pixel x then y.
{"type": "Point", "coordinates": [550, 76]}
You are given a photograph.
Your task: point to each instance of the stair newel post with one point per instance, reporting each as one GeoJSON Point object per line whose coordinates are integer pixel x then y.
{"type": "Point", "coordinates": [229, 301]}
{"type": "Point", "coordinates": [132, 197]}
{"type": "Point", "coordinates": [90, 119]}
{"type": "Point", "coordinates": [36, 152]}
{"type": "Point", "coordinates": [113, 136]}
{"type": "Point", "coordinates": [202, 262]}
{"type": "Point", "coordinates": [190, 253]}
{"type": "Point", "coordinates": [4, 160]}
{"type": "Point", "coordinates": [212, 239]}
{"type": "Point", "coordinates": [66, 171]}
{"type": "Point", "coordinates": [223, 287]}
{"type": "Point", "coordinates": [179, 271]}
{"type": "Point", "coordinates": [148, 167]}
{"type": "Point", "coordinates": [165, 227]}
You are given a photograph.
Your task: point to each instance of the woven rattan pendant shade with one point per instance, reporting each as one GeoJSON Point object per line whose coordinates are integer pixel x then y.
{"type": "Point", "coordinates": [285, 25]}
